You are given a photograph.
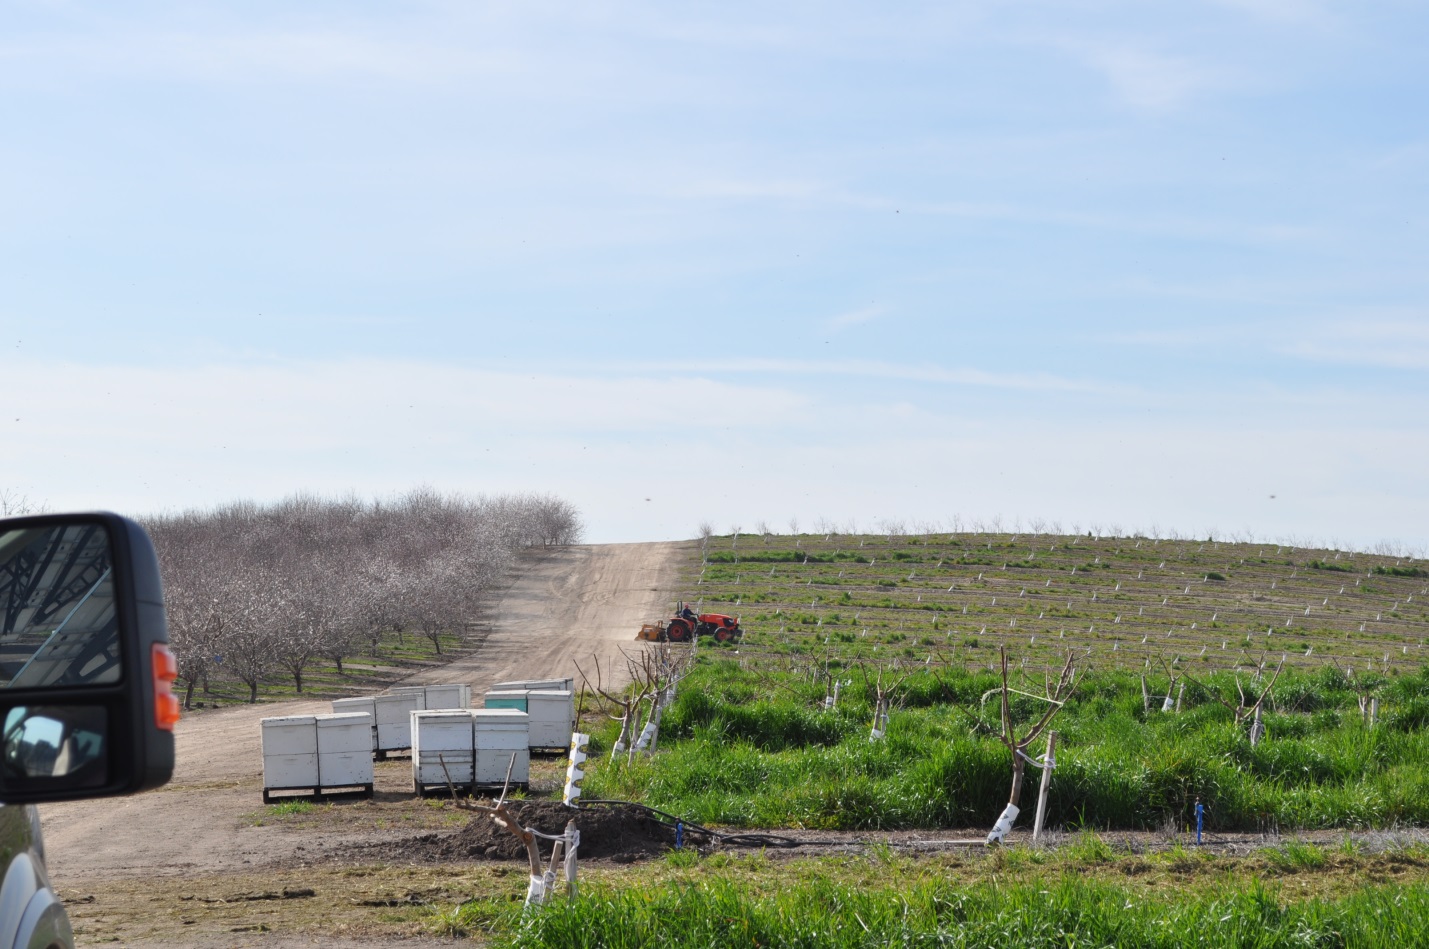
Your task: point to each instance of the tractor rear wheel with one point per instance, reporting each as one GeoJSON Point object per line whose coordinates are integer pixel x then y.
{"type": "Point", "coordinates": [678, 631]}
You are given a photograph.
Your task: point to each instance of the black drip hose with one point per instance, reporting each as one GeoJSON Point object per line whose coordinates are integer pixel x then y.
{"type": "Point", "coordinates": [670, 820]}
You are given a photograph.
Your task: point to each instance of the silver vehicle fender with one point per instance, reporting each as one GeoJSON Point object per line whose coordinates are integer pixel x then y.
{"type": "Point", "coordinates": [44, 925]}
{"type": "Point", "coordinates": [30, 915]}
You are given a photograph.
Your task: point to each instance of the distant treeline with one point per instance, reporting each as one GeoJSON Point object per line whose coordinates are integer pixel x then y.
{"type": "Point", "coordinates": [254, 591]}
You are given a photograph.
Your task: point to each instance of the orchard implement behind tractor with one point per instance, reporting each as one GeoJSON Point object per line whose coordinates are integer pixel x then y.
{"type": "Point", "coordinates": [686, 624]}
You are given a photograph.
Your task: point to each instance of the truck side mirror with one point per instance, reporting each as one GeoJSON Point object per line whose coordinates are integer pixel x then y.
{"type": "Point", "coordinates": [86, 701]}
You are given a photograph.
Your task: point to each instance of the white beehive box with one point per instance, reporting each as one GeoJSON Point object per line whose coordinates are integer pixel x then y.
{"type": "Point", "coordinates": [545, 685]}
{"type": "Point", "coordinates": [366, 704]}
{"type": "Point", "coordinates": [455, 695]}
{"type": "Point", "coordinates": [290, 752]}
{"type": "Point", "coordinates": [442, 737]}
{"type": "Point", "coordinates": [344, 749]}
{"type": "Point", "coordinates": [552, 715]}
{"type": "Point", "coordinates": [498, 734]}
{"type": "Point", "coordinates": [394, 722]}
{"type": "Point", "coordinates": [420, 691]}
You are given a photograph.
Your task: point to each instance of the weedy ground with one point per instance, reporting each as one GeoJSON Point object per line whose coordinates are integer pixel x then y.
{"type": "Point", "coordinates": [757, 748]}
{"type": "Point", "coordinates": [1088, 891]}
{"type": "Point", "coordinates": [957, 597]}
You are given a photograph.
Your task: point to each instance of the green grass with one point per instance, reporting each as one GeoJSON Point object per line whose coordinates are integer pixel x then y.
{"type": "Point", "coordinates": [1224, 605]}
{"type": "Point", "coordinates": [1066, 912]}
{"type": "Point", "coordinates": [290, 808]}
{"type": "Point", "coordinates": [1088, 847]}
{"type": "Point", "coordinates": [1295, 855]}
{"type": "Point", "coordinates": [1081, 894]}
{"type": "Point", "coordinates": [757, 749]}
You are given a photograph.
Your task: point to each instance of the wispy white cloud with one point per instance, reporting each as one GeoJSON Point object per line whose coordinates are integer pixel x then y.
{"type": "Point", "coordinates": [855, 317]}
{"type": "Point", "coordinates": [1393, 343]}
{"type": "Point", "coordinates": [1033, 381]}
{"type": "Point", "coordinates": [1410, 155]}
{"type": "Point", "coordinates": [254, 56]}
{"type": "Point", "coordinates": [831, 195]}
{"type": "Point", "coordinates": [1181, 337]}
{"type": "Point", "coordinates": [1296, 12]}
{"type": "Point", "coordinates": [1392, 340]}
{"type": "Point", "coordinates": [297, 405]}
{"type": "Point", "coordinates": [792, 189]}
{"type": "Point", "coordinates": [1153, 81]}
{"type": "Point", "coordinates": [142, 439]}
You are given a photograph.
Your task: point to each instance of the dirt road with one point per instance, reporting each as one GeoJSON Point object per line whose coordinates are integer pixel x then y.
{"type": "Point", "coordinates": [565, 606]}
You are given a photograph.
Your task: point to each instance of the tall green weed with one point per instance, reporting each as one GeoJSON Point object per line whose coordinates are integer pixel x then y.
{"type": "Point", "coordinates": [719, 913]}
{"type": "Point", "coordinates": [747, 751]}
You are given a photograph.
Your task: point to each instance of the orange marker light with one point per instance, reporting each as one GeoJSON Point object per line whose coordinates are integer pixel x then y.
{"type": "Point", "coordinates": [166, 703]}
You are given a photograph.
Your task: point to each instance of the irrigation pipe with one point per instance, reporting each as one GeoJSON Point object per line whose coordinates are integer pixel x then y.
{"type": "Point", "coordinates": [672, 821]}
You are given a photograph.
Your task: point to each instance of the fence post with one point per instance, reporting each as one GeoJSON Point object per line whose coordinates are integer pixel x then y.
{"type": "Point", "coordinates": [1048, 764]}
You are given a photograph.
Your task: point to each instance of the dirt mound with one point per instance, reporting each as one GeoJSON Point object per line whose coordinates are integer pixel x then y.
{"type": "Point", "coordinates": [614, 832]}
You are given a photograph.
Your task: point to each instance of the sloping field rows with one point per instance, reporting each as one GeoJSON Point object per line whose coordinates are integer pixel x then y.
{"type": "Point", "coordinates": [1123, 601]}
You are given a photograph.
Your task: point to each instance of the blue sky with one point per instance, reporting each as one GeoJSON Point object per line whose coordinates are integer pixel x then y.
{"type": "Point", "coordinates": [1105, 263]}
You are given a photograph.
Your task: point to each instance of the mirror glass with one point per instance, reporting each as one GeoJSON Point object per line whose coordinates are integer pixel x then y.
{"type": "Point", "coordinates": [55, 741]}
{"type": "Point", "coordinates": [58, 622]}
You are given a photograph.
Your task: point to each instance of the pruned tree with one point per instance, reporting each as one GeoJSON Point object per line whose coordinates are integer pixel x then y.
{"type": "Point", "coordinates": [880, 694]}
{"type": "Point", "coordinates": [656, 672]}
{"type": "Point", "coordinates": [1244, 710]}
{"type": "Point", "coordinates": [627, 702]}
{"type": "Point", "coordinates": [653, 675]}
{"type": "Point", "coordinates": [1055, 696]}
{"type": "Point", "coordinates": [1171, 700]}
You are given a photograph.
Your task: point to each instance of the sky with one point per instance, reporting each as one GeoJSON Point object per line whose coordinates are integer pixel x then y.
{"type": "Point", "coordinates": [1114, 265]}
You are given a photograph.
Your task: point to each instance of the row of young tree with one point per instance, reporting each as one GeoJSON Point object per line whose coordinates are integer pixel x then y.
{"type": "Point", "coordinates": [255, 591]}
{"type": "Point", "coordinates": [894, 529]}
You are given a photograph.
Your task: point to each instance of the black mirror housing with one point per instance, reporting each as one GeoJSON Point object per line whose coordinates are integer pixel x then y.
{"type": "Point", "coordinates": [87, 713]}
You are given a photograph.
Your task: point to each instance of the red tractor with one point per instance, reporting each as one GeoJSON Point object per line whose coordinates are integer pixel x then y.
{"type": "Point", "coordinates": [686, 624]}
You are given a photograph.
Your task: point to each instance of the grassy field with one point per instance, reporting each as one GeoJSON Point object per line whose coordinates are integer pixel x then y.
{"type": "Point", "coordinates": [1087, 893]}
{"type": "Point", "coordinates": [755, 740]}
{"type": "Point", "coordinates": [1121, 601]}
{"type": "Point", "coordinates": [1083, 895]}
{"type": "Point", "coordinates": [759, 749]}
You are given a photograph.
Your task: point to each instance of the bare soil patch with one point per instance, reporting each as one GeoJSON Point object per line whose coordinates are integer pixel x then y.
{"type": "Point", "coordinates": [620, 833]}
